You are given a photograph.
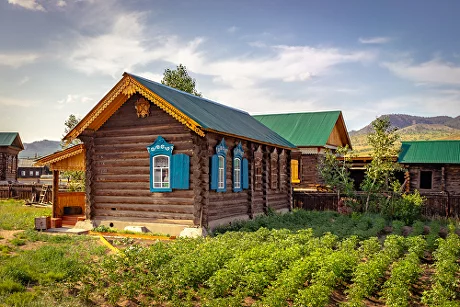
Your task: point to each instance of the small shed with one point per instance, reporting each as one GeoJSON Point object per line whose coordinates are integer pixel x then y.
{"type": "Point", "coordinates": [161, 158]}
{"type": "Point", "coordinates": [312, 133]}
{"type": "Point", "coordinates": [66, 205]}
{"type": "Point", "coordinates": [432, 166]}
{"type": "Point", "coordinates": [10, 146]}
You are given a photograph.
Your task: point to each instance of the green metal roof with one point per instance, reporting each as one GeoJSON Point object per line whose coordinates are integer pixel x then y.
{"type": "Point", "coordinates": [7, 139]}
{"type": "Point", "coordinates": [445, 152]}
{"type": "Point", "coordinates": [215, 116]}
{"type": "Point", "coordinates": [302, 129]}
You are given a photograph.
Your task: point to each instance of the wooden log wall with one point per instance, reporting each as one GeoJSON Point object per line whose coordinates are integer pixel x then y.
{"type": "Point", "coordinates": [229, 204]}
{"type": "Point", "coordinates": [452, 179]}
{"type": "Point", "coordinates": [309, 174]}
{"type": "Point", "coordinates": [437, 181]}
{"type": "Point", "coordinates": [8, 165]}
{"type": "Point", "coordinates": [262, 193]}
{"type": "Point", "coordinates": [119, 167]}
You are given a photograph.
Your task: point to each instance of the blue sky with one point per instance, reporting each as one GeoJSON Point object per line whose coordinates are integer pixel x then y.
{"type": "Point", "coordinates": [366, 58]}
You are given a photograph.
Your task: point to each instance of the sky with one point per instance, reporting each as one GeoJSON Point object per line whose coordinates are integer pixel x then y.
{"type": "Point", "coordinates": [365, 58]}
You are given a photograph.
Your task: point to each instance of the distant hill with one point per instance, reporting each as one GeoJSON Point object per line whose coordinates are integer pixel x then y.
{"type": "Point", "coordinates": [39, 149]}
{"type": "Point", "coordinates": [403, 120]}
{"type": "Point", "coordinates": [412, 128]}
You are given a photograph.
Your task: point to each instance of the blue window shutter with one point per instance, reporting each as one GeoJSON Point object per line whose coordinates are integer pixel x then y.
{"type": "Point", "coordinates": [245, 175]}
{"type": "Point", "coordinates": [180, 172]}
{"type": "Point", "coordinates": [214, 171]}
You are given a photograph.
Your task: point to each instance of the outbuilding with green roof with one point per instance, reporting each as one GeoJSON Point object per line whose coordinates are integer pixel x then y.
{"type": "Point", "coordinates": [312, 133]}
{"type": "Point", "coordinates": [432, 166]}
{"type": "Point", "coordinates": [10, 146]}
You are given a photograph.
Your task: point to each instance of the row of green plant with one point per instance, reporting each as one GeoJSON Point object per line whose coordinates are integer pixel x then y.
{"type": "Point", "coordinates": [446, 282]}
{"type": "Point", "coordinates": [265, 268]}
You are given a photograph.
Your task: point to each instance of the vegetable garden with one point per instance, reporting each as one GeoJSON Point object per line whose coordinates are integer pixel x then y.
{"type": "Point", "coordinates": [282, 268]}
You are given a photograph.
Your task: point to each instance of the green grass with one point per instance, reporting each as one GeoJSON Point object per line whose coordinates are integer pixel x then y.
{"type": "Point", "coordinates": [14, 215]}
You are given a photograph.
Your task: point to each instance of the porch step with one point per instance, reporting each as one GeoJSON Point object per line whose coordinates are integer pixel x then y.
{"type": "Point", "coordinates": [71, 220]}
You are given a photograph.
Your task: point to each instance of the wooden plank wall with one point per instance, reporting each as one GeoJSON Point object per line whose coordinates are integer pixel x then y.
{"type": "Point", "coordinates": [23, 191]}
{"type": "Point", "coordinates": [309, 174]}
{"type": "Point", "coordinates": [414, 172]}
{"type": "Point", "coordinates": [69, 199]}
{"type": "Point", "coordinates": [119, 168]}
{"type": "Point", "coordinates": [8, 165]}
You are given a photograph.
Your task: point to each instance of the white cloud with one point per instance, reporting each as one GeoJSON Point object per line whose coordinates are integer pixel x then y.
{"type": "Point", "coordinates": [435, 71]}
{"type": "Point", "coordinates": [16, 60]}
{"type": "Point", "coordinates": [232, 29]}
{"type": "Point", "coordinates": [28, 4]}
{"type": "Point", "coordinates": [375, 40]}
{"type": "Point", "coordinates": [61, 3]}
{"type": "Point", "coordinates": [72, 98]}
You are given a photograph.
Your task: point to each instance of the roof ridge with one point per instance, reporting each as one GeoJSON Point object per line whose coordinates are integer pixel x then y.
{"type": "Point", "coordinates": [296, 113]}
{"type": "Point", "coordinates": [182, 92]}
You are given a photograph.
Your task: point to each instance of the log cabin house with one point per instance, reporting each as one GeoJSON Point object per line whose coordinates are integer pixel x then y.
{"type": "Point", "coordinates": [432, 166]}
{"type": "Point", "coordinates": [10, 146]}
{"type": "Point", "coordinates": [312, 133]}
{"type": "Point", "coordinates": [158, 157]}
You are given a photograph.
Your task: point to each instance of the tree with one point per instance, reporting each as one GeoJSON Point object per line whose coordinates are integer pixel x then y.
{"type": "Point", "coordinates": [380, 172]}
{"type": "Point", "coordinates": [76, 179]}
{"type": "Point", "coordinates": [335, 171]}
{"type": "Point", "coordinates": [70, 123]}
{"type": "Point", "coordinates": [180, 80]}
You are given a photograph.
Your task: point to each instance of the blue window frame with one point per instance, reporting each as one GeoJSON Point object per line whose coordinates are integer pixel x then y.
{"type": "Point", "coordinates": [237, 173]}
{"type": "Point", "coordinates": [167, 171]}
{"type": "Point", "coordinates": [218, 168]}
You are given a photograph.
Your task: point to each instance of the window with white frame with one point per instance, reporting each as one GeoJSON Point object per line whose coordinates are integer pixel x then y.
{"type": "Point", "coordinates": [221, 179]}
{"type": "Point", "coordinates": [23, 173]}
{"type": "Point", "coordinates": [37, 173]}
{"type": "Point", "coordinates": [161, 168]}
{"type": "Point", "coordinates": [237, 173]}
{"type": "Point", "coordinates": [31, 173]}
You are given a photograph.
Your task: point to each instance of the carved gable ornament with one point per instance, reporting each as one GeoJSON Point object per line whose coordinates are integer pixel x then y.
{"type": "Point", "coordinates": [142, 107]}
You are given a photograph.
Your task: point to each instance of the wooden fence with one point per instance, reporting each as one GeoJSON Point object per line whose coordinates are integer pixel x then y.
{"type": "Point", "coordinates": [24, 191]}
{"type": "Point", "coordinates": [436, 204]}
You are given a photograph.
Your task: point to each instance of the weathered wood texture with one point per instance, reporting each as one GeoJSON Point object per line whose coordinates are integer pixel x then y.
{"type": "Point", "coordinates": [8, 164]}
{"type": "Point", "coordinates": [337, 137]}
{"type": "Point", "coordinates": [24, 191]}
{"type": "Point", "coordinates": [445, 178]}
{"type": "Point", "coordinates": [69, 201]}
{"type": "Point", "coordinates": [119, 167]}
{"type": "Point", "coordinates": [262, 193]}
{"type": "Point", "coordinates": [309, 174]}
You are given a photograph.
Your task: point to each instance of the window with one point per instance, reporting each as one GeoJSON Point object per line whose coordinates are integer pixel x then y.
{"type": "Point", "coordinates": [31, 173]}
{"type": "Point", "coordinates": [240, 169]}
{"type": "Point", "coordinates": [37, 173]}
{"type": "Point", "coordinates": [218, 168]}
{"type": "Point", "coordinates": [23, 173]}
{"type": "Point", "coordinates": [167, 171]}
{"type": "Point", "coordinates": [426, 178]}
{"type": "Point", "coordinates": [237, 174]}
{"type": "Point", "coordinates": [161, 171]}
{"type": "Point", "coordinates": [221, 180]}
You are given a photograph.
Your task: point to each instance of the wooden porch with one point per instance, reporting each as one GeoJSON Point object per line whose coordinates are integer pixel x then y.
{"type": "Point", "coordinates": [69, 206]}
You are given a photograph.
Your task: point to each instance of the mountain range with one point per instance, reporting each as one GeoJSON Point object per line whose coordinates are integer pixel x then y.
{"type": "Point", "coordinates": [39, 149]}
{"type": "Point", "coordinates": [411, 128]}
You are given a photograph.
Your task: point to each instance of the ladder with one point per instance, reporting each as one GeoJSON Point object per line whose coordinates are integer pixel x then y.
{"type": "Point", "coordinates": [45, 188]}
